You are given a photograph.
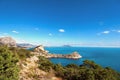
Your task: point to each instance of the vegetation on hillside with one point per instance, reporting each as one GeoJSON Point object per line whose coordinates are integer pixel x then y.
{"type": "Point", "coordinates": [87, 71]}
{"type": "Point", "coordinates": [9, 56]}
{"type": "Point", "coordinates": [8, 68]}
{"type": "Point", "coordinates": [20, 52]}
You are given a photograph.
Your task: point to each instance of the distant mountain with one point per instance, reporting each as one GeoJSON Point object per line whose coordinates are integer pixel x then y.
{"type": "Point", "coordinates": [25, 45]}
{"type": "Point", "coordinates": [67, 46]}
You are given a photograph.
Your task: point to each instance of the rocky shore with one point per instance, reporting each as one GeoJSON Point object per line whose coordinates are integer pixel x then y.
{"type": "Point", "coordinates": [39, 50]}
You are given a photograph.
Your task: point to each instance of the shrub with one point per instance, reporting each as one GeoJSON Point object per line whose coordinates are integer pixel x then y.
{"type": "Point", "coordinates": [45, 64]}
{"type": "Point", "coordinates": [22, 53]}
{"type": "Point", "coordinates": [87, 71]}
{"type": "Point", "coordinates": [8, 68]}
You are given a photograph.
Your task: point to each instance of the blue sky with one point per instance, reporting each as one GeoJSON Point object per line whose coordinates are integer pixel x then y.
{"type": "Point", "coordinates": [59, 22]}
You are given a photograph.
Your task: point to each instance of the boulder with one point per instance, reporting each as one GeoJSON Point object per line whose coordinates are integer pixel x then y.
{"type": "Point", "coordinates": [40, 49]}
{"type": "Point", "coordinates": [10, 42]}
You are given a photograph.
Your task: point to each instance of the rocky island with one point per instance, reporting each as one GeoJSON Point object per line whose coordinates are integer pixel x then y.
{"type": "Point", "coordinates": [39, 50]}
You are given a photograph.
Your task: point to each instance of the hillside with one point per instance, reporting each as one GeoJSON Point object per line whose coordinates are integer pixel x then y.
{"type": "Point", "coordinates": [28, 66]}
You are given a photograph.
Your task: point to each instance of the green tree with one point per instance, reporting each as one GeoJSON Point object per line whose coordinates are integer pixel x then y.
{"type": "Point", "coordinates": [89, 70]}
{"type": "Point", "coordinates": [91, 64]}
{"type": "Point", "coordinates": [8, 68]}
{"type": "Point", "coordinates": [59, 70]}
{"type": "Point", "coordinates": [45, 64]}
{"type": "Point", "coordinates": [21, 53]}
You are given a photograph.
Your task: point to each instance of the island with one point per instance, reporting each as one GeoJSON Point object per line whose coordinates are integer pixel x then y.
{"type": "Point", "coordinates": [66, 46]}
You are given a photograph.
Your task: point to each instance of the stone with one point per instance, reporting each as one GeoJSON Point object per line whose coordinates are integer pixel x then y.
{"type": "Point", "coordinates": [42, 52]}
{"type": "Point", "coordinates": [9, 41]}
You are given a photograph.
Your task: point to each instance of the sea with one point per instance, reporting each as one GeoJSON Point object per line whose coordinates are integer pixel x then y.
{"type": "Point", "coordinates": [104, 56]}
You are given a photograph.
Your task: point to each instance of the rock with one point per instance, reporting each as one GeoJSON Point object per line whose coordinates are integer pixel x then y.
{"type": "Point", "coordinates": [10, 42]}
{"type": "Point", "coordinates": [74, 55]}
{"type": "Point", "coordinates": [39, 48]}
{"type": "Point", "coordinates": [29, 70]}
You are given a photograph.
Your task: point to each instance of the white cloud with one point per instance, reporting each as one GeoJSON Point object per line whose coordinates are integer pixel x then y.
{"type": "Point", "coordinates": [106, 32]}
{"type": "Point", "coordinates": [118, 31]}
{"type": "Point", "coordinates": [15, 32]}
{"type": "Point", "coordinates": [110, 31]}
{"type": "Point", "coordinates": [61, 30]}
{"type": "Point", "coordinates": [50, 34]}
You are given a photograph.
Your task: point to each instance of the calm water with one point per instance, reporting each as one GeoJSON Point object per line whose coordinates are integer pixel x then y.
{"type": "Point", "coordinates": [103, 56]}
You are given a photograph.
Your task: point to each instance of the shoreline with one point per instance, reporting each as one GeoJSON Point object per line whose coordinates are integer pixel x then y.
{"type": "Point", "coordinates": [66, 56]}
{"type": "Point", "coordinates": [39, 50]}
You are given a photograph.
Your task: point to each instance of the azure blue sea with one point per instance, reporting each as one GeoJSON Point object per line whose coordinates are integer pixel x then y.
{"type": "Point", "coordinates": [105, 56]}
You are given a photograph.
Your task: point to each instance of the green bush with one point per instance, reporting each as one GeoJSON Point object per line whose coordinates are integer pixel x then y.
{"type": "Point", "coordinates": [87, 71]}
{"type": "Point", "coordinates": [8, 68]}
{"type": "Point", "coordinates": [20, 52]}
{"type": "Point", "coordinates": [45, 64]}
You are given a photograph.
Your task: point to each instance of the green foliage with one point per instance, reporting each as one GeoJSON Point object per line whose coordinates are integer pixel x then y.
{"type": "Point", "coordinates": [91, 64]}
{"type": "Point", "coordinates": [87, 71]}
{"type": "Point", "coordinates": [8, 68]}
{"type": "Point", "coordinates": [59, 70]}
{"type": "Point", "coordinates": [20, 52]}
{"type": "Point", "coordinates": [45, 64]}
{"type": "Point", "coordinates": [72, 66]}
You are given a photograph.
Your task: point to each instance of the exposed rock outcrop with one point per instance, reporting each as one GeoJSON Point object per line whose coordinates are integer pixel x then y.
{"type": "Point", "coordinates": [30, 71]}
{"type": "Point", "coordinates": [39, 50]}
{"type": "Point", "coordinates": [74, 55]}
{"type": "Point", "coordinates": [10, 42]}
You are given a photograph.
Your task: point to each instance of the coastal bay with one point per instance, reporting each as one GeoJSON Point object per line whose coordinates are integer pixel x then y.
{"type": "Point", "coordinates": [105, 56]}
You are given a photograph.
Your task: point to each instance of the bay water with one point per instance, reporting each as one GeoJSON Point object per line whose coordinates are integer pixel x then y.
{"type": "Point", "coordinates": [104, 56]}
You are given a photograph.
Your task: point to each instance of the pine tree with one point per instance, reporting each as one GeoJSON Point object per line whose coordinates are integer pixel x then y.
{"type": "Point", "coordinates": [8, 68]}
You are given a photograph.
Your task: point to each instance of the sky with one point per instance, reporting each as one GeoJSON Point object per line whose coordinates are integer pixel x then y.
{"type": "Point", "coordinates": [61, 22]}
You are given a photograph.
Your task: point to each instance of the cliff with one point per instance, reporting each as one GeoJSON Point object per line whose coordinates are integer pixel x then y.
{"type": "Point", "coordinates": [30, 71]}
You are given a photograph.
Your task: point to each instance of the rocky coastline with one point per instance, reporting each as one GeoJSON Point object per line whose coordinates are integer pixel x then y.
{"type": "Point", "coordinates": [39, 50]}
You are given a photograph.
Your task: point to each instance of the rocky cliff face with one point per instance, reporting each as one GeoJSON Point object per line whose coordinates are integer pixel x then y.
{"type": "Point", "coordinates": [29, 70]}
{"type": "Point", "coordinates": [10, 42]}
{"type": "Point", "coordinates": [40, 49]}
